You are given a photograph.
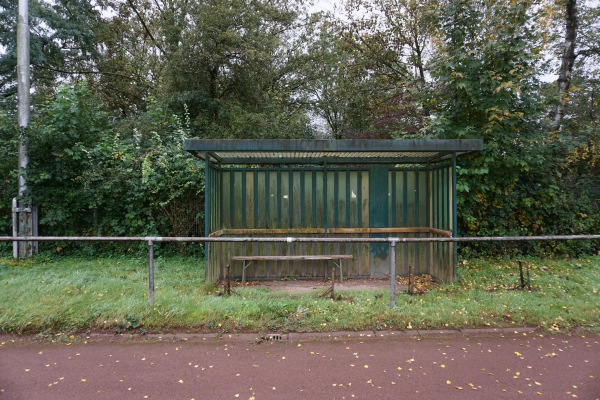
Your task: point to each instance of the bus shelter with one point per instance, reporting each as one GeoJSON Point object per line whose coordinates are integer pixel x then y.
{"type": "Point", "coordinates": [330, 188]}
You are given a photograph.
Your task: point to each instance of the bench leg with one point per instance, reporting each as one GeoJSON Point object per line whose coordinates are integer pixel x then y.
{"type": "Point", "coordinates": [245, 265]}
{"type": "Point", "coordinates": [339, 265]}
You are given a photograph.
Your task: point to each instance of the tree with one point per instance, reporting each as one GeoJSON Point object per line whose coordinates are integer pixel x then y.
{"type": "Point", "coordinates": [567, 61]}
{"type": "Point", "coordinates": [485, 87]}
{"type": "Point", "coordinates": [372, 68]}
{"type": "Point", "coordinates": [60, 141]}
{"type": "Point", "coordinates": [232, 69]}
{"type": "Point", "coordinates": [329, 85]}
{"type": "Point", "coordinates": [578, 50]}
{"type": "Point", "coordinates": [62, 42]}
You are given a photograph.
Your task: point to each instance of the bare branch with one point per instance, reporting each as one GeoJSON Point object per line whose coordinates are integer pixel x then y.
{"type": "Point", "coordinates": [141, 19]}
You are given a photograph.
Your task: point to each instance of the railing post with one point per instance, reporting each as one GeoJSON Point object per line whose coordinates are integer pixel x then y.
{"type": "Point", "coordinates": [393, 272]}
{"type": "Point", "coordinates": [15, 232]}
{"type": "Point", "coordinates": [151, 272]}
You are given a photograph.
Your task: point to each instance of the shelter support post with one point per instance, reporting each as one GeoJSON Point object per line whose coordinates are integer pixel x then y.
{"type": "Point", "coordinates": [207, 216]}
{"type": "Point", "coordinates": [454, 219]}
{"type": "Point", "coordinates": [393, 272]}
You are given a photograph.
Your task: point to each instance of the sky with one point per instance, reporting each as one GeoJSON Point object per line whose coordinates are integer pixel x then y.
{"type": "Point", "coordinates": [323, 5]}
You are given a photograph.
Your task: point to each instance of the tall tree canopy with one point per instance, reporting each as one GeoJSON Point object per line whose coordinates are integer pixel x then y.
{"type": "Point", "coordinates": [118, 83]}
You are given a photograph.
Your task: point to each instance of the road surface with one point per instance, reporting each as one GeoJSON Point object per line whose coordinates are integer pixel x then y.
{"type": "Point", "coordinates": [511, 365]}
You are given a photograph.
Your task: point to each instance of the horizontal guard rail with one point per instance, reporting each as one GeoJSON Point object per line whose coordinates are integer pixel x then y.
{"type": "Point", "coordinates": [391, 240]}
{"type": "Point", "coordinates": [287, 239]}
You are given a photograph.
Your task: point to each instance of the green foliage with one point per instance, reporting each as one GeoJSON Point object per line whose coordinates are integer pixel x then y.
{"type": "Point", "coordinates": [232, 68]}
{"type": "Point", "coordinates": [89, 178]}
{"type": "Point", "coordinates": [8, 171]}
{"type": "Point", "coordinates": [116, 92]}
{"type": "Point", "coordinates": [485, 87]}
{"type": "Point", "coordinates": [62, 41]}
{"type": "Point", "coordinates": [60, 140]}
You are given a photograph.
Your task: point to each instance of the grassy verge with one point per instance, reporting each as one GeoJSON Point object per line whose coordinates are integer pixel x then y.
{"type": "Point", "coordinates": [63, 295]}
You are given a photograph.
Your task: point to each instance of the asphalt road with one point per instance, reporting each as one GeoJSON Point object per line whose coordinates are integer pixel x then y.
{"type": "Point", "coordinates": [513, 365]}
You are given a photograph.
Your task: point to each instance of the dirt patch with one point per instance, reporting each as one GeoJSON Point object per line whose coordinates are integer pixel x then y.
{"type": "Point", "coordinates": [421, 284]}
{"type": "Point", "coordinates": [307, 286]}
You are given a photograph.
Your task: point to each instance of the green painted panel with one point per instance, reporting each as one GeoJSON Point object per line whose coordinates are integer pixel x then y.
{"type": "Point", "coordinates": [353, 215]}
{"type": "Point", "coordinates": [349, 221]}
{"type": "Point", "coordinates": [238, 200]}
{"type": "Point", "coordinates": [393, 203]}
{"type": "Point", "coordinates": [274, 201]}
{"type": "Point", "coordinates": [308, 200]}
{"type": "Point", "coordinates": [423, 207]}
{"type": "Point", "coordinates": [250, 200]}
{"type": "Point", "coordinates": [342, 201]}
{"type": "Point", "coordinates": [365, 248]}
{"type": "Point", "coordinates": [382, 196]}
{"type": "Point", "coordinates": [226, 210]}
{"type": "Point", "coordinates": [300, 188]}
{"type": "Point", "coordinates": [378, 218]}
{"type": "Point", "coordinates": [412, 199]}
{"type": "Point", "coordinates": [401, 199]}
{"type": "Point", "coordinates": [319, 201]}
{"type": "Point", "coordinates": [335, 211]}
{"type": "Point", "coordinates": [244, 196]}
{"type": "Point", "coordinates": [359, 198]}
{"type": "Point", "coordinates": [260, 199]}
{"type": "Point", "coordinates": [295, 203]}
{"type": "Point", "coordinates": [313, 197]}
{"type": "Point", "coordinates": [285, 200]}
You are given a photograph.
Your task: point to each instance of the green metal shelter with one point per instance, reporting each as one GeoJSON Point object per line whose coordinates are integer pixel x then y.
{"type": "Point", "coordinates": [331, 188]}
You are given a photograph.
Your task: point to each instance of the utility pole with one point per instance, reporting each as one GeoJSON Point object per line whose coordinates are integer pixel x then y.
{"type": "Point", "coordinates": [22, 213]}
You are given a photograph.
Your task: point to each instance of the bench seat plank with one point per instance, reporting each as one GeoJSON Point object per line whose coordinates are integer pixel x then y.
{"type": "Point", "coordinates": [336, 258]}
{"type": "Point", "coordinates": [290, 258]}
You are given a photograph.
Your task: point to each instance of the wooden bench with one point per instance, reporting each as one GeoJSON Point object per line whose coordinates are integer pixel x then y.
{"type": "Point", "coordinates": [335, 258]}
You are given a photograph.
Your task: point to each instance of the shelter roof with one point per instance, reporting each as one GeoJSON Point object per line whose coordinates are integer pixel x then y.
{"type": "Point", "coordinates": [354, 151]}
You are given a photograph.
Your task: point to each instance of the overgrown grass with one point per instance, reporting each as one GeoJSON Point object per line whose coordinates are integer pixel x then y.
{"type": "Point", "coordinates": [64, 295]}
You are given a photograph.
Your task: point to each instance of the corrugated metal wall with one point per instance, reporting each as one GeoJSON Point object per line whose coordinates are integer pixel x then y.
{"type": "Point", "coordinates": [307, 198]}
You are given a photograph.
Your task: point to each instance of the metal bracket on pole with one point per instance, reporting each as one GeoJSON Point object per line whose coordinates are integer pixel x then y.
{"type": "Point", "coordinates": [24, 223]}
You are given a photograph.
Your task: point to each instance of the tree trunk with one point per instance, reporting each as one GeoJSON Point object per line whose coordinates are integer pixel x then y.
{"type": "Point", "coordinates": [568, 60]}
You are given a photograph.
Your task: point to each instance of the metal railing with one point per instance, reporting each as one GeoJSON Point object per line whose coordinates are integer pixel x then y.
{"type": "Point", "coordinates": [391, 240]}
